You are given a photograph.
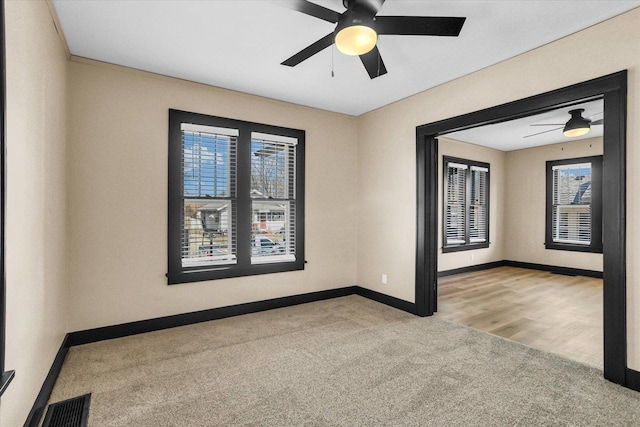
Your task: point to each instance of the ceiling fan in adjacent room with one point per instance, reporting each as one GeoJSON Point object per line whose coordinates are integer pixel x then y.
{"type": "Point", "coordinates": [358, 27]}
{"type": "Point", "coordinates": [576, 126]}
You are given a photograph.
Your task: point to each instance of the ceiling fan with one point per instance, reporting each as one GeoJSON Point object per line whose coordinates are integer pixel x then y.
{"type": "Point", "coordinates": [358, 27]}
{"type": "Point", "coordinates": [576, 126]}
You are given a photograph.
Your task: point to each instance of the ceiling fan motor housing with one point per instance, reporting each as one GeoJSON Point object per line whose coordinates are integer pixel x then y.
{"type": "Point", "coordinates": [357, 14]}
{"type": "Point", "coordinates": [577, 125]}
{"type": "Point", "coordinates": [349, 4]}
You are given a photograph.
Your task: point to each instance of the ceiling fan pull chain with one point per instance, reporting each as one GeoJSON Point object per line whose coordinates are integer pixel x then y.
{"type": "Point", "coordinates": [332, 52]}
{"type": "Point", "coordinates": [379, 56]}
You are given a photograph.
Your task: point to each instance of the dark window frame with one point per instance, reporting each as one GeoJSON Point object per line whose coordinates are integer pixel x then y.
{"type": "Point", "coordinates": [596, 206]}
{"type": "Point", "coordinates": [179, 274]}
{"type": "Point", "coordinates": [468, 245]}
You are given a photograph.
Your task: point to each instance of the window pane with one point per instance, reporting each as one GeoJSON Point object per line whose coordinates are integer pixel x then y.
{"type": "Point", "coordinates": [455, 215]}
{"type": "Point", "coordinates": [208, 170]}
{"type": "Point", "coordinates": [273, 178]}
{"type": "Point", "coordinates": [208, 161]}
{"type": "Point", "coordinates": [208, 236]}
{"type": "Point", "coordinates": [571, 210]}
{"type": "Point", "coordinates": [272, 169]}
{"type": "Point", "coordinates": [478, 206]}
{"type": "Point", "coordinates": [272, 231]}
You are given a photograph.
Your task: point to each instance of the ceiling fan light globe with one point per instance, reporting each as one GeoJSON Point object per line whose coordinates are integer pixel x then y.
{"type": "Point", "coordinates": [356, 39]}
{"type": "Point", "coordinates": [574, 133]}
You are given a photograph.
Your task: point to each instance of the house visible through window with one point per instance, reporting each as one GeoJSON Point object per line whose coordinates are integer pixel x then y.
{"type": "Point", "coordinates": [236, 198]}
{"type": "Point", "coordinates": [466, 204]}
{"type": "Point", "coordinates": [574, 204]}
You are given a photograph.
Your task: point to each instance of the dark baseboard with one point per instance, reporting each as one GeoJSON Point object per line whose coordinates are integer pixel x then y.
{"type": "Point", "coordinates": [159, 323]}
{"type": "Point", "coordinates": [33, 419]}
{"type": "Point", "coordinates": [471, 268]}
{"type": "Point", "coordinates": [633, 379]}
{"type": "Point", "coordinates": [387, 300]}
{"type": "Point", "coordinates": [555, 269]}
{"type": "Point", "coordinates": [567, 271]}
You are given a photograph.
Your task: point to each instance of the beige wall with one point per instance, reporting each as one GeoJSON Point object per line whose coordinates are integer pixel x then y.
{"type": "Point", "coordinates": [387, 153]}
{"type": "Point", "coordinates": [525, 207]}
{"type": "Point", "coordinates": [118, 196]}
{"type": "Point", "coordinates": [496, 160]}
{"type": "Point", "coordinates": [35, 221]}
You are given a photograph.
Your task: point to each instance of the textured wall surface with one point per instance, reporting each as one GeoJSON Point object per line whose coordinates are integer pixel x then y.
{"type": "Point", "coordinates": [36, 208]}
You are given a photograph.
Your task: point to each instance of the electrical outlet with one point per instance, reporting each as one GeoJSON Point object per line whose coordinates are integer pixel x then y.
{"type": "Point", "coordinates": [384, 279]}
{"type": "Point", "coordinates": [471, 255]}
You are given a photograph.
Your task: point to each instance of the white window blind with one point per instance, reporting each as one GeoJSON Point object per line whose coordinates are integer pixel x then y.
{"type": "Point", "coordinates": [455, 209]}
{"type": "Point", "coordinates": [571, 203]}
{"type": "Point", "coordinates": [273, 206]}
{"type": "Point", "coordinates": [209, 195]}
{"type": "Point", "coordinates": [478, 212]}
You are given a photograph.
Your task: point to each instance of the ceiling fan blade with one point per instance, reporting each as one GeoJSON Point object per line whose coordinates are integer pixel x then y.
{"type": "Point", "coordinates": [540, 133]}
{"type": "Point", "coordinates": [312, 9]}
{"type": "Point", "coordinates": [372, 61]}
{"type": "Point", "coordinates": [597, 122]}
{"type": "Point", "coordinates": [309, 51]}
{"type": "Point", "coordinates": [419, 25]}
{"type": "Point", "coordinates": [548, 124]}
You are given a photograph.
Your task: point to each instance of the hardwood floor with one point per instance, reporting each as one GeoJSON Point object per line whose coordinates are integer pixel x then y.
{"type": "Point", "coordinates": [551, 312]}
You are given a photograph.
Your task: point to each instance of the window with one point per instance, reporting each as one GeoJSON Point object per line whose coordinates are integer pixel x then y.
{"type": "Point", "coordinates": [236, 202]}
{"type": "Point", "coordinates": [466, 205]}
{"type": "Point", "coordinates": [574, 204]}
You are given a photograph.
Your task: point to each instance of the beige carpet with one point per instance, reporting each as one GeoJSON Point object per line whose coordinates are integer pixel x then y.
{"type": "Point", "coordinates": [343, 362]}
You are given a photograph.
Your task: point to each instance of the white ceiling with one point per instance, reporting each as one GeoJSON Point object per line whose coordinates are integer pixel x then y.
{"type": "Point", "coordinates": [239, 44]}
{"type": "Point", "coordinates": [518, 134]}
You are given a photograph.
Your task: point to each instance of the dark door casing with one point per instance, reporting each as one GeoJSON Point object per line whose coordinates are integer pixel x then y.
{"type": "Point", "coordinates": [613, 90]}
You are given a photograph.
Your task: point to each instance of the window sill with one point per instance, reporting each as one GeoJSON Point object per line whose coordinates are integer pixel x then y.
{"type": "Point", "coordinates": [200, 275]}
{"type": "Point", "coordinates": [574, 248]}
{"type": "Point", "coordinates": [5, 380]}
{"type": "Point", "coordinates": [469, 247]}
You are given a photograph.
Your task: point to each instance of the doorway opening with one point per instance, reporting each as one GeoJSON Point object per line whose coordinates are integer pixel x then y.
{"type": "Point", "coordinates": [612, 91]}
{"type": "Point", "coordinates": [497, 214]}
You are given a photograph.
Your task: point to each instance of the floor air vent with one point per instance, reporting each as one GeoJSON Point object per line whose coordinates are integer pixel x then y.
{"type": "Point", "coordinates": [68, 413]}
